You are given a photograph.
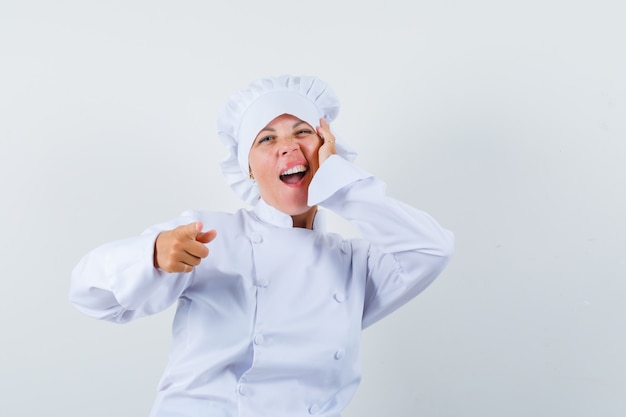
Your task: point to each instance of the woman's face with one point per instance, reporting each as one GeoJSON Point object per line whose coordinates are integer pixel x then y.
{"type": "Point", "coordinates": [283, 159]}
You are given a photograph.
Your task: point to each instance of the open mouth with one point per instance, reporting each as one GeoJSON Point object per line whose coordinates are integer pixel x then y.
{"type": "Point", "coordinates": [294, 174]}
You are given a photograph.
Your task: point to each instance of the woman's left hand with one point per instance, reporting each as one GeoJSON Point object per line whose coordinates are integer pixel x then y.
{"type": "Point", "coordinates": [328, 146]}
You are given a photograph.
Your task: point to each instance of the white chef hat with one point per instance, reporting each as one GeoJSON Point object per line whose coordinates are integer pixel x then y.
{"type": "Point", "coordinates": [250, 110]}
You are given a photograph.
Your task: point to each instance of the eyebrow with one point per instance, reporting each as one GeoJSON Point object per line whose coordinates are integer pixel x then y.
{"type": "Point", "coordinates": [271, 129]}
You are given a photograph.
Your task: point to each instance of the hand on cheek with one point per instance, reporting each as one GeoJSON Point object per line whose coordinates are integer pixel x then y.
{"type": "Point", "coordinates": [328, 146]}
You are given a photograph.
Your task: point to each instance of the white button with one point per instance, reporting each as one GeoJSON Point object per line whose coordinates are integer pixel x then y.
{"type": "Point", "coordinates": [339, 297]}
{"type": "Point", "coordinates": [339, 354]}
{"type": "Point", "coordinates": [345, 246]}
{"type": "Point", "coordinates": [258, 339]}
{"type": "Point", "coordinates": [256, 238]}
{"type": "Point", "coordinates": [263, 283]}
{"type": "Point", "coordinates": [242, 390]}
{"type": "Point", "coordinates": [314, 409]}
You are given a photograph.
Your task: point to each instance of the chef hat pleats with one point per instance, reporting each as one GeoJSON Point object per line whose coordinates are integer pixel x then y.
{"type": "Point", "coordinates": [250, 110]}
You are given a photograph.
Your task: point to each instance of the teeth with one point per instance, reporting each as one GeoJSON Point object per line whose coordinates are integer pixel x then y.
{"type": "Point", "coordinates": [294, 170]}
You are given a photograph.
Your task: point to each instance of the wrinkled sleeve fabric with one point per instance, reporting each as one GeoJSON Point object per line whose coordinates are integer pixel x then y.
{"type": "Point", "coordinates": [118, 281]}
{"type": "Point", "coordinates": [407, 247]}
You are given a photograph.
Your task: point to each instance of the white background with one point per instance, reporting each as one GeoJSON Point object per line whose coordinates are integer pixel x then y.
{"type": "Point", "coordinates": [505, 120]}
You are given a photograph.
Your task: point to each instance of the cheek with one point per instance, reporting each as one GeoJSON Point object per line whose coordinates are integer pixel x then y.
{"type": "Point", "coordinates": [258, 165]}
{"type": "Point", "coordinates": [264, 174]}
{"type": "Point", "coordinates": [311, 148]}
{"type": "Point", "coordinates": [314, 151]}
{"type": "Point", "coordinates": [252, 157]}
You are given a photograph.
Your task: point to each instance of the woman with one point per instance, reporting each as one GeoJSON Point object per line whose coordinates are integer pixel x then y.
{"type": "Point", "coordinates": [268, 323]}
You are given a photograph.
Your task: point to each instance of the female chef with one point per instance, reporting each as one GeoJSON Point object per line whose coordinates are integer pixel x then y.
{"type": "Point", "coordinates": [268, 323]}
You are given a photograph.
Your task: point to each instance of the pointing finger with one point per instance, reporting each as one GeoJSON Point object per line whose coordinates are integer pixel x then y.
{"type": "Point", "coordinates": [206, 237]}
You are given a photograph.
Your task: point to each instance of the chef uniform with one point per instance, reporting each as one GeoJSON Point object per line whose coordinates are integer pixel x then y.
{"type": "Point", "coordinates": [268, 325]}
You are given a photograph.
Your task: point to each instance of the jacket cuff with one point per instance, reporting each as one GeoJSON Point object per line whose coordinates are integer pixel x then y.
{"type": "Point", "coordinates": [137, 262]}
{"type": "Point", "coordinates": [333, 175]}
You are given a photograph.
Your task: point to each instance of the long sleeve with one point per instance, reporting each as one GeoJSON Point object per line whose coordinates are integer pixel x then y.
{"type": "Point", "coordinates": [408, 247]}
{"type": "Point", "coordinates": [118, 281]}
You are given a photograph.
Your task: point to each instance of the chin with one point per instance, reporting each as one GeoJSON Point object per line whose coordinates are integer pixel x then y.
{"type": "Point", "coordinates": [293, 203]}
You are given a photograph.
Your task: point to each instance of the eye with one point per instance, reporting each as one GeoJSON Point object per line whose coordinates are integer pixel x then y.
{"type": "Point", "coordinates": [302, 132]}
{"type": "Point", "coordinates": [264, 139]}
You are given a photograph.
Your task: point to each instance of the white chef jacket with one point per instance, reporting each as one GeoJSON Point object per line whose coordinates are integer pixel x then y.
{"type": "Point", "coordinates": [268, 325]}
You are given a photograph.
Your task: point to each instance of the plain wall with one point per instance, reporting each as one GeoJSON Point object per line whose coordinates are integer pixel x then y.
{"type": "Point", "coordinates": [504, 120]}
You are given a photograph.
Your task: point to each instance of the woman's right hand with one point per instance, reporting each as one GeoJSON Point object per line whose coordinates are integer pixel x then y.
{"type": "Point", "coordinates": [182, 248]}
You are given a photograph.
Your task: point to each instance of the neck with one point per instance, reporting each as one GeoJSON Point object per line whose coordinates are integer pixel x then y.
{"type": "Point", "coordinates": [305, 220]}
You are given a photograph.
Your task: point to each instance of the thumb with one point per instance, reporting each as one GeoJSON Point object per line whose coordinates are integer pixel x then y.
{"type": "Point", "coordinates": [191, 230]}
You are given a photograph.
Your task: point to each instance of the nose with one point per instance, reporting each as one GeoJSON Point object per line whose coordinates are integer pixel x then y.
{"type": "Point", "coordinates": [288, 145]}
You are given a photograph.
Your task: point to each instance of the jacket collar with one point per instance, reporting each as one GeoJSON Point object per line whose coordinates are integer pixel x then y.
{"type": "Point", "coordinates": [274, 217]}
